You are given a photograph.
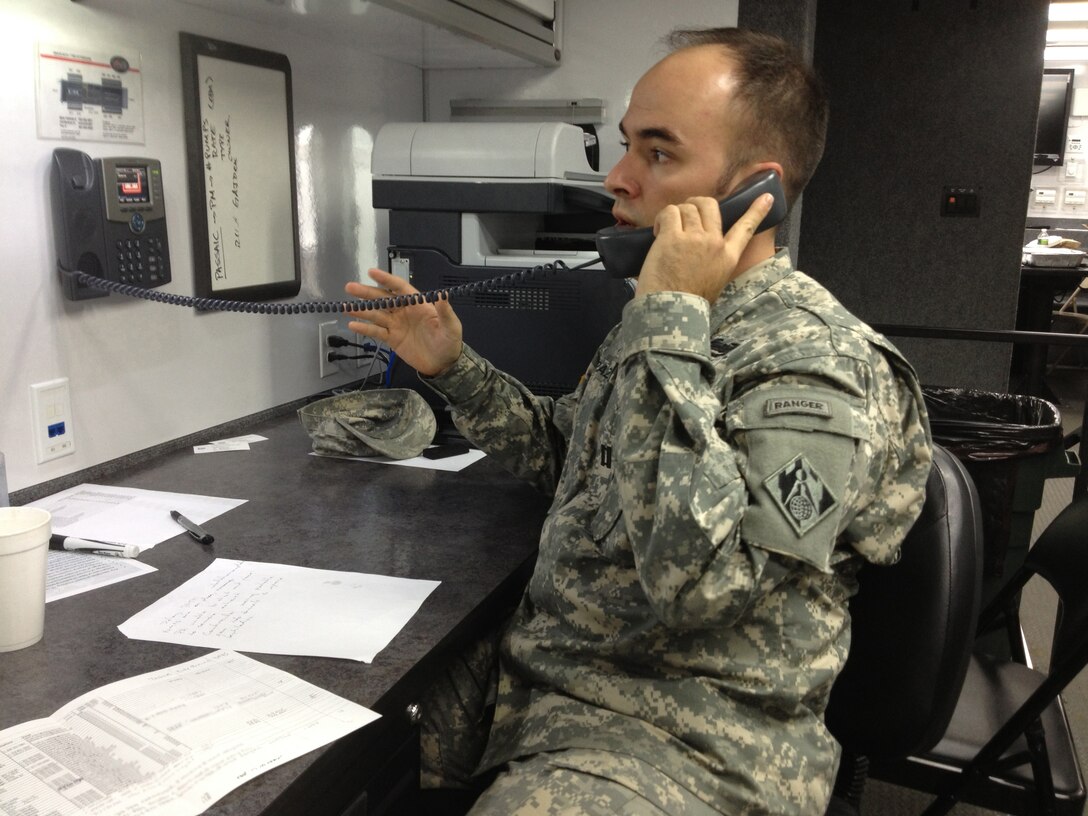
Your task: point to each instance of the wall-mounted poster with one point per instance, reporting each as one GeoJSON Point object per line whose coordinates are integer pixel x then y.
{"type": "Point", "coordinates": [87, 95]}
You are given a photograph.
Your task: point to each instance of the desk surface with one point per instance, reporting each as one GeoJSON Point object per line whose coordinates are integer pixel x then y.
{"type": "Point", "coordinates": [475, 531]}
{"type": "Point", "coordinates": [1053, 276]}
{"type": "Point", "coordinates": [1039, 285]}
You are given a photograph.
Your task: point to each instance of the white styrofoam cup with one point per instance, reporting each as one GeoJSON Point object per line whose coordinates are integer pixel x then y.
{"type": "Point", "coordinates": [24, 542]}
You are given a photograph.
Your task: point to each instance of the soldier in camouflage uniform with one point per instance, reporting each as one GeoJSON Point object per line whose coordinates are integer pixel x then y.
{"type": "Point", "coordinates": [740, 442]}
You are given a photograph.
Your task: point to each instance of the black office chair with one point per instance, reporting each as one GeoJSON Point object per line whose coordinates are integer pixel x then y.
{"type": "Point", "coordinates": [1007, 746]}
{"type": "Point", "coordinates": [913, 625]}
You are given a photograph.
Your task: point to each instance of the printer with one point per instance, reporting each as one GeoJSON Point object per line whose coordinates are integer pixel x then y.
{"type": "Point", "coordinates": [471, 201]}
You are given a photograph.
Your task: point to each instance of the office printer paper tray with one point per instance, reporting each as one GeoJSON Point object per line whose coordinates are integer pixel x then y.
{"type": "Point", "coordinates": [527, 258]}
{"type": "Point", "coordinates": [506, 241]}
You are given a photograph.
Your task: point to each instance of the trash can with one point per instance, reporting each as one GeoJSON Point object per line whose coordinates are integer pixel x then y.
{"type": "Point", "coordinates": [1010, 444]}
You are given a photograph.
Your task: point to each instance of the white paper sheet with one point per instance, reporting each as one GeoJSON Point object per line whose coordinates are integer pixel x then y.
{"type": "Point", "coordinates": [69, 573]}
{"type": "Point", "coordinates": [250, 606]}
{"type": "Point", "coordinates": [247, 439]}
{"type": "Point", "coordinates": [450, 463]}
{"type": "Point", "coordinates": [170, 742]}
{"type": "Point", "coordinates": [221, 447]}
{"type": "Point", "coordinates": [235, 443]}
{"type": "Point", "coordinates": [128, 515]}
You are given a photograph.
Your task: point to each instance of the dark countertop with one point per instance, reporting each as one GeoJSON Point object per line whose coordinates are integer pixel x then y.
{"type": "Point", "coordinates": [475, 531]}
{"type": "Point", "coordinates": [1055, 277]}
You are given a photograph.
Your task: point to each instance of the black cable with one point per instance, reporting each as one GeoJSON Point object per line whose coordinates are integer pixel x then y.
{"type": "Point", "coordinates": [336, 341]}
{"type": "Point", "coordinates": [371, 349]}
{"type": "Point", "coordinates": [376, 304]}
{"type": "Point", "coordinates": [336, 355]}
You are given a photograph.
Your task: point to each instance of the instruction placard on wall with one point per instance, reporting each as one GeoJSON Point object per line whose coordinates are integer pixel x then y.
{"type": "Point", "coordinates": [89, 96]}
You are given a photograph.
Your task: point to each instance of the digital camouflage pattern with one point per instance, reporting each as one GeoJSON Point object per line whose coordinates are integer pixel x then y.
{"type": "Point", "coordinates": [393, 422]}
{"type": "Point", "coordinates": [584, 782]}
{"type": "Point", "coordinates": [715, 474]}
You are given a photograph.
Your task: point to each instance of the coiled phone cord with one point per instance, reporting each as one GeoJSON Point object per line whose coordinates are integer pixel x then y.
{"type": "Point", "coordinates": [392, 302]}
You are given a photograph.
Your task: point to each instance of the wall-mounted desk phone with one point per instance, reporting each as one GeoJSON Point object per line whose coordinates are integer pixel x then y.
{"type": "Point", "coordinates": [109, 220]}
{"type": "Point", "coordinates": [111, 237]}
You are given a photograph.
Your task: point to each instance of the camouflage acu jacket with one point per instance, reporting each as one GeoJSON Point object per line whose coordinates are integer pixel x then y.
{"type": "Point", "coordinates": [716, 475]}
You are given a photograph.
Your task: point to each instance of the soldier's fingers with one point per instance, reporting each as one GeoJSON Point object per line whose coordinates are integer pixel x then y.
{"type": "Point", "coordinates": [741, 232]}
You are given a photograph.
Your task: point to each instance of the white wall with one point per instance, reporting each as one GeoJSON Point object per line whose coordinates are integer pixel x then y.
{"type": "Point", "coordinates": [607, 46]}
{"type": "Point", "coordinates": [142, 373]}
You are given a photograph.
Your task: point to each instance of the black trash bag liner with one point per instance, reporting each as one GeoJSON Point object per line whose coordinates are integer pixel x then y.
{"type": "Point", "coordinates": [984, 426]}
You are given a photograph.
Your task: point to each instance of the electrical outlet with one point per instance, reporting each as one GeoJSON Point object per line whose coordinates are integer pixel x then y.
{"type": "Point", "coordinates": [326, 368]}
{"type": "Point", "coordinates": [51, 413]}
{"type": "Point", "coordinates": [331, 328]}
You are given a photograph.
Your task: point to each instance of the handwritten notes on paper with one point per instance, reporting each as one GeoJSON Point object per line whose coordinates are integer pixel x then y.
{"type": "Point", "coordinates": [250, 606]}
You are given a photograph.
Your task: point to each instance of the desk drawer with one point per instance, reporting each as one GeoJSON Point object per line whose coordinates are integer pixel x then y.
{"type": "Point", "coordinates": [389, 775]}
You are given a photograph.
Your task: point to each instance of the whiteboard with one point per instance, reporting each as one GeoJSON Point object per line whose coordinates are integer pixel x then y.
{"type": "Point", "coordinates": [239, 138]}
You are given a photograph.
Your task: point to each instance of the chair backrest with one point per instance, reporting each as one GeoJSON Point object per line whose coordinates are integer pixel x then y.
{"type": "Point", "coordinates": [1069, 305]}
{"type": "Point", "coordinates": [912, 626]}
{"type": "Point", "coordinates": [1060, 556]}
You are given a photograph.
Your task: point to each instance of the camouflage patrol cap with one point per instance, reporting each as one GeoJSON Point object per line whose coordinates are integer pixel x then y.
{"type": "Point", "coordinates": [393, 422]}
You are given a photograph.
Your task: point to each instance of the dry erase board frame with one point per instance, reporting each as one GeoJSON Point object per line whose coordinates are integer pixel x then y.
{"type": "Point", "coordinates": [240, 151]}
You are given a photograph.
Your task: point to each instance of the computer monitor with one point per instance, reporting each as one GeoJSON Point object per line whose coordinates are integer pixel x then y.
{"type": "Point", "coordinates": [1055, 99]}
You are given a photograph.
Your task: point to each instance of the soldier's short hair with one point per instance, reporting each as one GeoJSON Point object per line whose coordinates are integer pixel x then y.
{"type": "Point", "coordinates": [780, 101]}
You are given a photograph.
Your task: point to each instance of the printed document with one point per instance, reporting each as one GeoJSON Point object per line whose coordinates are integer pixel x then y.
{"type": "Point", "coordinates": [69, 573]}
{"type": "Point", "coordinates": [168, 743]}
{"type": "Point", "coordinates": [128, 515]}
{"type": "Point", "coordinates": [250, 606]}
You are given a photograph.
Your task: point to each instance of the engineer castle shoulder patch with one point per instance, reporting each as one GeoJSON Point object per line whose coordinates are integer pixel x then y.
{"type": "Point", "coordinates": [799, 492]}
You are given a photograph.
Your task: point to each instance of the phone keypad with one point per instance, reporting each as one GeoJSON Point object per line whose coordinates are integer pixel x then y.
{"type": "Point", "coordinates": [141, 261]}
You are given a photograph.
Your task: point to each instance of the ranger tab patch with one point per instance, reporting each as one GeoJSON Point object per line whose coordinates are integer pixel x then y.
{"type": "Point", "coordinates": [799, 492]}
{"type": "Point", "coordinates": [797, 405]}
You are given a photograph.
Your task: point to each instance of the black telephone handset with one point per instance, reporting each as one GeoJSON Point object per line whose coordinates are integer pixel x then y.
{"type": "Point", "coordinates": [109, 219]}
{"type": "Point", "coordinates": [623, 249]}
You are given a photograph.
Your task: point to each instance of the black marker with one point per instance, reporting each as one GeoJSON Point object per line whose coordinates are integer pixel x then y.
{"type": "Point", "coordinates": [192, 529]}
{"type": "Point", "coordinates": [73, 544]}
